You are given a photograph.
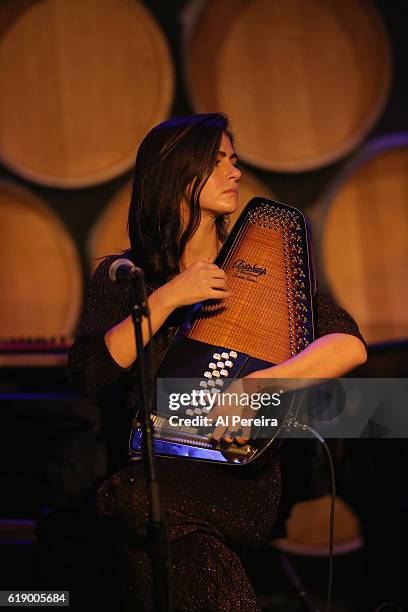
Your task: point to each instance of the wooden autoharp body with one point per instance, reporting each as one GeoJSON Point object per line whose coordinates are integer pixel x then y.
{"type": "Point", "coordinates": [267, 319]}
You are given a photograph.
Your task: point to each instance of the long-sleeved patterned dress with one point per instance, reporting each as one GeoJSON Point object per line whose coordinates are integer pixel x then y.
{"type": "Point", "coordinates": [214, 515]}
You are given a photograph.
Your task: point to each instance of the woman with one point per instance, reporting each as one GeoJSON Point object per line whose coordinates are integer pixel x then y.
{"type": "Point", "coordinates": [186, 183]}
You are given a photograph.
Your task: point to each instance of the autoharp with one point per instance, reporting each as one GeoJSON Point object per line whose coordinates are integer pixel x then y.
{"type": "Point", "coordinates": [267, 319]}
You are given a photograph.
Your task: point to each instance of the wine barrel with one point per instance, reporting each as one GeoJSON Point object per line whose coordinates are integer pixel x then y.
{"type": "Point", "coordinates": [109, 233]}
{"type": "Point", "coordinates": [40, 272]}
{"type": "Point", "coordinates": [302, 82]}
{"type": "Point", "coordinates": [363, 238]}
{"type": "Point", "coordinates": [82, 83]}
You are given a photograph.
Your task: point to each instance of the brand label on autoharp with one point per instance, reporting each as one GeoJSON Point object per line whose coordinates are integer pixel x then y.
{"type": "Point", "coordinates": [247, 271]}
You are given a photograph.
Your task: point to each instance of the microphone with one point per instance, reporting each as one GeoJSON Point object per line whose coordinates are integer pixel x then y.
{"type": "Point", "coordinates": [124, 271]}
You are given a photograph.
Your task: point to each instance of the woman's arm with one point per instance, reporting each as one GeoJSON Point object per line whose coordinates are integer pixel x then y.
{"type": "Point", "coordinates": [330, 356]}
{"type": "Point", "coordinates": [201, 281]}
{"type": "Point", "coordinates": [104, 351]}
{"type": "Point", "coordinates": [120, 339]}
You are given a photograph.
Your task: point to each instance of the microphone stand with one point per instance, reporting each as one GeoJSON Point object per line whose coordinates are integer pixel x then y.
{"type": "Point", "coordinates": [156, 526]}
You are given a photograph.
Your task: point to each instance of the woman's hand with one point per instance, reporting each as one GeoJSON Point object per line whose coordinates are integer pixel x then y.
{"type": "Point", "coordinates": [200, 281]}
{"type": "Point", "coordinates": [226, 410]}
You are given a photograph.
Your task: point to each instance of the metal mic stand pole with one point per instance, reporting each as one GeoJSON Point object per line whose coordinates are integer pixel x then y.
{"type": "Point", "coordinates": [156, 526]}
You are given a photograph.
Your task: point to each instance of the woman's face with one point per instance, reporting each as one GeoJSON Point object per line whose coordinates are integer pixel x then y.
{"type": "Point", "coordinates": [219, 195]}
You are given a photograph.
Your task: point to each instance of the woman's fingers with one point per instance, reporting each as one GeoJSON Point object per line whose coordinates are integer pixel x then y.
{"type": "Point", "coordinates": [219, 435]}
{"type": "Point", "coordinates": [222, 432]}
{"type": "Point", "coordinates": [218, 432]}
{"type": "Point", "coordinates": [218, 273]}
{"type": "Point", "coordinates": [219, 294]}
{"type": "Point", "coordinates": [244, 437]}
{"type": "Point", "coordinates": [218, 283]}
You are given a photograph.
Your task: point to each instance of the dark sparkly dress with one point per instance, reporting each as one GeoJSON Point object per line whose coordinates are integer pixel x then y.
{"type": "Point", "coordinates": [214, 515]}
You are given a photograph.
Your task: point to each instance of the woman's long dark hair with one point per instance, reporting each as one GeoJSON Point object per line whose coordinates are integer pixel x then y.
{"type": "Point", "coordinates": [173, 163]}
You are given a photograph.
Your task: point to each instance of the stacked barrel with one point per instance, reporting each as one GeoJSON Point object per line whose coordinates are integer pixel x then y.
{"type": "Point", "coordinates": [305, 86]}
